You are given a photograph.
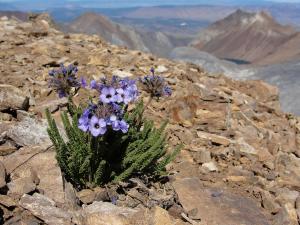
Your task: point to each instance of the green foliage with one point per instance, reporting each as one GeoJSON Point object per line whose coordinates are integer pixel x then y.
{"type": "Point", "coordinates": [87, 160]}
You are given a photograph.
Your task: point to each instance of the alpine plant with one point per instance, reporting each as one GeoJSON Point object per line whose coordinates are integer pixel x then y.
{"type": "Point", "coordinates": [105, 141]}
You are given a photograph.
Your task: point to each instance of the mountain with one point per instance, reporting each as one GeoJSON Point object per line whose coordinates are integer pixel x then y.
{"type": "Point", "coordinates": [92, 23]}
{"type": "Point", "coordinates": [251, 37]}
{"type": "Point", "coordinates": [158, 43]}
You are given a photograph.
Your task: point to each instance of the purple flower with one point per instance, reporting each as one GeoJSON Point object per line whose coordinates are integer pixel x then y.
{"type": "Point", "coordinates": [83, 82]}
{"type": "Point", "coordinates": [123, 126]}
{"type": "Point", "coordinates": [63, 80]}
{"type": "Point", "coordinates": [93, 84]}
{"type": "Point", "coordinates": [120, 95]}
{"type": "Point", "coordinates": [83, 122]}
{"type": "Point", "coordinates": [62, 93]}
{"type": "Point", "coordinates": [167, 91]}
{"type": "Point", "coordinates": [97, 126]}
{"type": "Point", "coordinates": [155, 85]}
{"type": "Point", "coordinates": [120, 125]}
{"type": "Point", "coordinates": [108, 95]}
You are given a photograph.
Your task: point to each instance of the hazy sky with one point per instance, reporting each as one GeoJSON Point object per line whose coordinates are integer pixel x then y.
{"type": "Point", "coordinates": [44, 4]}
{"type": "Point", "coordinates": [152, 1]}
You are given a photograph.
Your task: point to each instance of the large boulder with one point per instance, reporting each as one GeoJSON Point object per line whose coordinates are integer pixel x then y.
{"type": "Point", "coordinates": [41, 166]}
{"type": "Point", "coordinates": [215, 206]}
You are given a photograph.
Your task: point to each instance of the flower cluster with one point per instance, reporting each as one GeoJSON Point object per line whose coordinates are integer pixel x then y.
{"type": "Point", "coordinates": [64, 79]}
{"type": "Point", "coordinates": [108, 112]}
{"type": "Point", "coordinates": [117, 90]}
{"type": "Point", "coordinates": [156, 85]}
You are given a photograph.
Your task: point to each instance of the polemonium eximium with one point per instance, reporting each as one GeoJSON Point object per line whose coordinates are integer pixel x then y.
{"type": "Point", "coordinates": [116, 90]}
{"type": "Point", "coordinates": [108, 95]}
{"type": "Point", "coordinates": [97, 126]}
{"type": "Point", "coordinates": [155, 85]}
{"type": "Point", "coordinates": [62, 80]}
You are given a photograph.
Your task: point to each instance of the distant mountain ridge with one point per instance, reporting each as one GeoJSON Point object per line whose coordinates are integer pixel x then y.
{"type": "Point", "coordinates": [158, 43]}
{"type": "Point", "coordinates": [253, 37]}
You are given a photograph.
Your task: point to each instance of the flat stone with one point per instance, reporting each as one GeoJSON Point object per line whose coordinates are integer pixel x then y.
{"type": "Point", "coordinates": [104, 213]}
{"type": "Point", "coordinates": [13, 161]}
{"type": "Point", "coordinates": [47, 170]}
{"type": "Point", "coordinates": [161, 217]}
{"type": "Point", "coordinates": [203, 156]}
{"type": "Point", "coordinates": [29, 131]}
{"type": "Point", "coordinates": [121, 73]}
{"type": "Point", "coordinates": [7, 149]}
{"type": "Point", "coordinates": [217, 139]}
{"type": "Point", "coordinates": [210, 166]}
{"type": "Point", "coordinates": [161, 69]}
{"type": "Point", "coordinates": [44, 208]}
{"type": "Point", "coordinates": [7, 201]}
{"type": "Point", "coordinates": [245, 147]}
{"type": "Point", "coordinates": [12, 98]}
{"type": "Point", "coordinates": [215, 206]}
{"type": "Point", "coordinates": [21, 186]}
{"type": "Point", "coordinates": [236, 178]}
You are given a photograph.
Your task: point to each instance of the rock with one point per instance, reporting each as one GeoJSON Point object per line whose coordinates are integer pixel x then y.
{"type": "Point", "coordinates": [13, 161]}
{"type": "Point", "coordinates": [203, 156]}
{"type": "Point", "coordinates": [269, 203]}
{"type": "Point", "coordinates": [285, 195]}
{"type": "Point", "coordinates": [12, 98]}
{"type": "Point", "coordinates": [215, 139]}
{"type": "Point", "coordinates": [161, 216]}
{"type": "Point", "coordinates": [236, 179]}
{"type": "Point", "coordinates": [28, 219]}
{"type": "Point", "coordinates": [122, 74]}
{"type": "Point", "coordinates": [52, 105]}
{"type": "Point", "coordinates": [282, 217]}
{"type": "Point", "coordinates": [30, 131]}
{"type": "Point", "coordinates": [35, 161]}
{"type": "Point", "coordinates": [21, 186]}
{"type": "Point", "coordinates": [86, 196]}
{"type": "Point", "coordinates": [7, 149]}
{"type": "Point", "coordinates": [44, 208]}
{"type": "Point", "coordinates": [298, 203]}
{"type": "Point", "coordinates": [245, 147]}
{"type": "Point", "coordinates": [210, 166]}
{"type": "Point", "coordinates": [161, 69]}
{"type": "Point", "coordinates": [291, 214]}
{"type": "Point", "coordinates": [216, 206]}
{"type": "Point", "coordinates": [7, 201]}
{"type": "Point", "coordinates": [104, 213]}
{"type": "Point", "coordinates": [5, 117]}
{"type": "Point", "coordinates": [288, 166]}
{"type": "Point", "coordinates": [2, 175]}
{"type": "Point", "coordinates": [71, 200]}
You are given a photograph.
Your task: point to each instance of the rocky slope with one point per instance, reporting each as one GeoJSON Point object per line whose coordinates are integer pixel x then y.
{"type": "Point", "coordinates": [283, 75]}
{"type": "Point", "coordinates": [252, 37]}
{"type": "Point", "coordinates": [240, 163]}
